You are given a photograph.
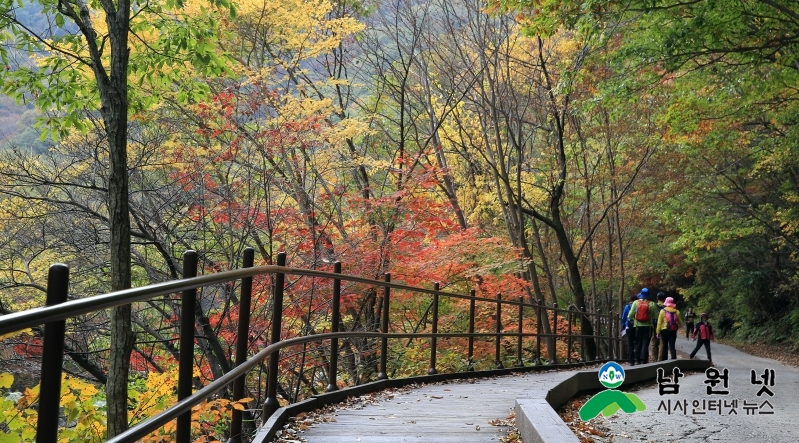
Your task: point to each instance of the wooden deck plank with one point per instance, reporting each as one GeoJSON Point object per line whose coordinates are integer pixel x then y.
{"type": "Point", "coordinates": [445, 412]}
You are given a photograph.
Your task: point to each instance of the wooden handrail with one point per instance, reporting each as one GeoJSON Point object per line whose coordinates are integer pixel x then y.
{"type": "Point", "coordinates": [54, 315]}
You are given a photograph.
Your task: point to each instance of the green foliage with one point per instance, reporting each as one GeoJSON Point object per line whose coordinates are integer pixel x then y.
{"type": "Point", "coordinates": [724, 232]}
{"type": "Point", "coordinates": [22, 134]}
{"type": "Point", "coordinates": [166, 38]}
{"type": "Point", "coordinates": [546, 17]}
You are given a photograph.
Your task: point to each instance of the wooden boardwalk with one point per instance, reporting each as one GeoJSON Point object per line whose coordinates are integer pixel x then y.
{"type": "Point", "coordinates": [461, 411]}
{"type": "Point", "coordinates": [473, 411]}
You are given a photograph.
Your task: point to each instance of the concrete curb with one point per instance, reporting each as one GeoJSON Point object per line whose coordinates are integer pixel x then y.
{"type": "Point", "coordinates": [536, 416]}
{"type": "Point", "coordinates": [270, 428]}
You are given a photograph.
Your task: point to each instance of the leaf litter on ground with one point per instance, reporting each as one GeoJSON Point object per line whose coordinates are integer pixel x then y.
{"type": "Point", "coordinates": [785, 353]}
{"type": "Point", "coordinates": [295, 426]}
{"type": "Point", "coordinates": [586, 431]}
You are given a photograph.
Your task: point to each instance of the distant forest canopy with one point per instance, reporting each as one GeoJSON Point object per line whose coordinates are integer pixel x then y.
{"type": "Point", "coordinates": [17, 120]}
{"type": "Point", "coordinates": [564, 152]}
{"type": "Point", "coordinates": [18, 127]}
{"type": "Point", "coordinates": [599, 147]}
{"type": "Point", "coordinates": [10, 115]}
{"type": "Point", "coordinates": [569, 152]}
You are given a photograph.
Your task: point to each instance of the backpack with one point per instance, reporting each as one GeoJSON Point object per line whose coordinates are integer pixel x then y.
{"type": "Point", "coordinates": [671, 321]}
{"type": "Point", "coordinates": [642, 312]}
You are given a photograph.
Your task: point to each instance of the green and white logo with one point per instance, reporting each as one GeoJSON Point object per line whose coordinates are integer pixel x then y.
{"type": "Point", "coordinates": [608, 402]}
{"type": "Point", "coordinates": [611, 375]}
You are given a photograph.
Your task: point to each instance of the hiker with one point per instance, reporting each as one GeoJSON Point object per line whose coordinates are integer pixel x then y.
{"type": "Point", "coordinates": [705, 333]}
{"type": "Point", "coordinates": [628, 330]}
{"type": "Point", "coordinates": [669, 323]}
{"type": "Point", "coordinates": [689, 323]}
{"type": "Point", "coordinates": [655, 351]}
{"type": "Point", "coordinates": [642, 314]}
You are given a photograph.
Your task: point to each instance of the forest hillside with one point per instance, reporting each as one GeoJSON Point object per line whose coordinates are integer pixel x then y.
{"type": "Point", "coordinates": [565, 152]}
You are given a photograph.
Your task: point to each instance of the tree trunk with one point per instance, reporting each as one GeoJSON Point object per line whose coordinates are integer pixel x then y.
{"type": "Point", "coordinates": [114, 97]}
{"type": "Point", "coordinates": [122, 337]}
{"type": "Point", "coordinates": [586, 328]}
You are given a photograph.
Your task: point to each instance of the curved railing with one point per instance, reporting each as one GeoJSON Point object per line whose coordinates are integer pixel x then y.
{"type": "Point", "coordinates": [58, 309]}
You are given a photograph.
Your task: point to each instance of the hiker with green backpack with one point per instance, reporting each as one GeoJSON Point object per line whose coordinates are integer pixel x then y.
{"type": "Point", "coordinates": [642, 316]}
{"type": "Point", "coordinates": [669, 323]}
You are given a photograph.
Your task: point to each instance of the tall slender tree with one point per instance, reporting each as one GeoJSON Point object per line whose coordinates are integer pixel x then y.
{"type": "Point", "coordinates": [86, 67]}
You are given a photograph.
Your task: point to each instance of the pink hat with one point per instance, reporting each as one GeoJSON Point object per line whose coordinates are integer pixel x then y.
{"type": "Point", "coordinates": [669, 302]}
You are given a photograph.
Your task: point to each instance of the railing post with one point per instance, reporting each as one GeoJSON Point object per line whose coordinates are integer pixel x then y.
{"type": "Point", "coordinates": [52, 358]}
{"type": "Point", "coordinates": [615, 336]}
{"type": "Point", "coordinates": [597, 332]}
{"type": "Point", "coordinates": [433, 340]}
{"type": "Point", "coordinates": [271, 404]}
{"type": "Point", "coordinates": [569, 318]}
{"type": "Point", "coordinates": [583, 317]}
{"type": "Point", "coordinates": [470, 357]}
{"type": "Point", "coordinates": [606, 338]}
{"type": "Point", "coordinates": [242, 342]}
{"type": "Point", "coordinates": [383, 375]}
{"type": "Point", "coordinates": [539, 329]}
{"type": "Point", "coordinates": [188, 303]}
{"type": "Point", "coordinates": [555, 332]}
{"type": "Point", "coordinates": [335, 319]}
{"type": "Point", "coordinates": [600, 323]}
{"type": "Point", "coordinates": [499, 330]}
{"type": "Point", "coordinates": [519, 361]}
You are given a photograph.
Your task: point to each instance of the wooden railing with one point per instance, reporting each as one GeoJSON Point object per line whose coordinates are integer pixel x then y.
{"type": "Point", "coordinates": [54, 315]}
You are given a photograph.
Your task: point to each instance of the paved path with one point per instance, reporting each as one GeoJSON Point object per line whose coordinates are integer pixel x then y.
{"type": "Point", "coordinates": [461, 412]}
{"type": "Point", "coordinates": [452, 412]}
{"type": "Point", "coordinates": [653, 425]}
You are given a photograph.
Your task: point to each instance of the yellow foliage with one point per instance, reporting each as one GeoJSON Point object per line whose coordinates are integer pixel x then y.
{"type": "Point", "coordinates": [27, 331]}
{"type": "Point", "coordinates": [26, 257]}
{"type": "Point", "coordinates": [297, 27]}
{"type": "Point", "coordinates": [84, 409]}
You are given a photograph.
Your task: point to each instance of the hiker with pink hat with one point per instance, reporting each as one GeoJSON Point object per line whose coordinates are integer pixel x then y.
{"type": "Point", "coordinates": [669, 323]}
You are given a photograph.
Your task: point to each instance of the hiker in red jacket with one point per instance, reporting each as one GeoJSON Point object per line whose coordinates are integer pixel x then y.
{"type": "Point", "coordinates": [705, 333]}
{"type": "Point", "coordinates": [643, 315]}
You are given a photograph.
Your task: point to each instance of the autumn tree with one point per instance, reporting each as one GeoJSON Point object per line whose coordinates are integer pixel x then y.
{"type": "Point", "coordinates": [525, 122]}
{"type": "Point", "coordinates": [85, 67]}
{"type": "Point", "coordinates": [730, 120]}
{"type": "Point", "coordinates": [399, 51]}
{"type": "Point", "coordinates": [729, 71]}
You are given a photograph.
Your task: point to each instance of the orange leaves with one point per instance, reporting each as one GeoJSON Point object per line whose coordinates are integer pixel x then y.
{"type": "Point", "coordinates": [241, 405]}
{"type": "Point", "coordinates": [157, 392]}
{"type": "Point", "coordinates": [30, 397]}
{"type": "Point", "coordinates": [469, 258]}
